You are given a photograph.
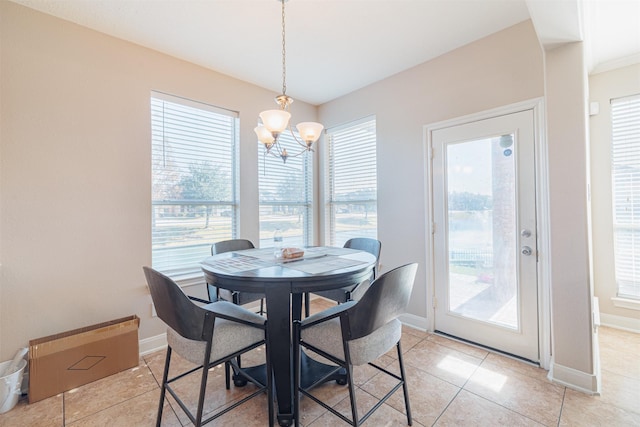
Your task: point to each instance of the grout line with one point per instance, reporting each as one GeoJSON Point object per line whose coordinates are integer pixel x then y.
{"type": "Point", "coordinates": [564, 394]}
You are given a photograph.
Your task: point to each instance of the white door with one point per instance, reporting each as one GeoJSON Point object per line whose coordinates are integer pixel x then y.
{"type": "Point", "coordinates": [485, 233]}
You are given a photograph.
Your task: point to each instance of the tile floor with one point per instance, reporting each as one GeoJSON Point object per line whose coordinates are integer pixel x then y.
{"type": "Point", "coordinates": [451, 384]}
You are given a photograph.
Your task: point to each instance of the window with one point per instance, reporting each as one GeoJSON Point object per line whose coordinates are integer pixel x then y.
{"type": "Point", "coordinates": [625, 170]}
{"type": "Point", "coordinates": [286, 195]}
{"type": "Point", "coordinates": [193, 162]}
{"type": "Point", "coordinates": [352, 182]}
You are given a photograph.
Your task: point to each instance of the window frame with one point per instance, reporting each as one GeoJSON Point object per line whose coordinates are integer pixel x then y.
{"type": "Point", "coordinates": [625, 195]}
{"type": "Point", "coordinates": [271, 167]}
{"type": "Point", "coordinates": [228, 134]}
{"type": "Point", "coordinates": [332, 202]}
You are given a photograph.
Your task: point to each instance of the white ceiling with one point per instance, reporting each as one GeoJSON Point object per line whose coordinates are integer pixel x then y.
{"type": "Point", "coordinates": [337, 46]}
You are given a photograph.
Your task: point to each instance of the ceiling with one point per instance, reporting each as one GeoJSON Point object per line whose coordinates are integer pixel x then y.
{"type": "Point", "coordinates": [334, 47]}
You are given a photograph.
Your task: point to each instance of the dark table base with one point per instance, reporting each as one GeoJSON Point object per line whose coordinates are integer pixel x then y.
{"type": "Point", "coordinates": [311, 372]}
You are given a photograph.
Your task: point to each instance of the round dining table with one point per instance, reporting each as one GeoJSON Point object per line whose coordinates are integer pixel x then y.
{"type": "Point", "coordinates": [283, 282]}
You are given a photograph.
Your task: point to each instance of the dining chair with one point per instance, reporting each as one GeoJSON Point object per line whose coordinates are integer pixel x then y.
{"type": "Point", "coordinates": [236, 297]}
{"type": "Point", "coordinates": [206, 336]}
{"type": "Point", "coordinates": [357, 333]}
{"type": "Point", "coordinates": [345, 294]}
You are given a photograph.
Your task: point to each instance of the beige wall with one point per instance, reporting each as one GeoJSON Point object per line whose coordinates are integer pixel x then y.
{"type": "Point", "coordinates": [566, 89]}
{"type": "Point", "coordinates": [75, 171]}
{"type": "Point", "coordinates": [602, 88]}
{"type": "Point", "coordinates": [75, 164]}
{"type": "Point", "coordinates": [498, 70]}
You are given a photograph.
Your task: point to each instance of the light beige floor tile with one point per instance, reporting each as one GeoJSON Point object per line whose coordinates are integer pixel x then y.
{"type": "Point", "coordinates": [413, 331]}
{"type": "Point", "coordinates": [619, 340]}
{"type": "Point", "coordinates": [518, 366]}
{"type": "Point", "coordinates": [621, 391]}
{"type": "Point", "coordinates": [538, 400]}
{"type": "Point", "coordinates": [443, 362]}
{"type": "Point", "coordinates": [137, 411]}
{"type": "Point", "coordinates": [467, 409]}
{"type": "Point", "coordinates": [620, 362]}
{"type": "Point", "coordinates": [112, 390]}
{"type": "Point", "coordinates": [45, 413]}
{"type": "Point", "coordinates": [253, 413]}
{"type": "Point", "coordinates": [459, 346]}
{"type": "Point", "coordinates": [428, 395]}
{"type": "Point", "coordinates": [383, 416]}
{"type": "Point", "coordinates": [330, 393]}
{"type": "Point", "coordinates": [582, 410]}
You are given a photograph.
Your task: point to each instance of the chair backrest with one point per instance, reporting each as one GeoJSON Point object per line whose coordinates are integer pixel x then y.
{"type": "Point", "coordinates": [174, 307]}
{"type": "Point", "coordinates": [366, 244]}
{"type": "Point", "coordinates": [386, 299]}
{"type": "Point", "coordinates": [231, 245]}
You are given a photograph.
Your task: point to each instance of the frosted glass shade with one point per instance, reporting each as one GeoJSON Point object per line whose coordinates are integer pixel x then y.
{"type": "Point", "coordinates": [275, 120]}
{"type": "Point", "coordinates": [309, 131]}
{"type": "Point", "coordinates": [264, 135]}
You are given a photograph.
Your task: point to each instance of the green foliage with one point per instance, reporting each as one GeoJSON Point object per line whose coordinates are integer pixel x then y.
{"type": "Point", "coordinates": [205, 182]}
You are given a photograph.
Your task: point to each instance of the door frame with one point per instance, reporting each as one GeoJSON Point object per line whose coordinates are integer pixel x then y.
{"type": "Point", "coordinates": [542, 213]}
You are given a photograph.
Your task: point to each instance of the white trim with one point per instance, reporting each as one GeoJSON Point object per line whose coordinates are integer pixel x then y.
{"type": "Point", "coordinates": [574, 379]}
{"type": "Point", "coordinates": [542, 212]}
{"type": "Point", "coordinates": [414, 321]}
{"type": "Point", "coordinates": [427, 154]}
{"type": "Point", "coordinates": [620, 322]}
{"type": "Point", "coordinates": [616, 63]}
{"type": "Point", "coordinates": [626, 303]}
{"type": "Point", "coordinates": [152, 344]}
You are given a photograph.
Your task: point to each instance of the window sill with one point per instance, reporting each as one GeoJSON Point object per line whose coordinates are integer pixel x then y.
{"type": "Point", "coordinates": [626, 303]}
{"type": "Point", "coordinates": [189, 279]}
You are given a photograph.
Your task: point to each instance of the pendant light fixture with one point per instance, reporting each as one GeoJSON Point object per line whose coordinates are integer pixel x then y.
{"type": "Point", "coordinates": [275, 122]}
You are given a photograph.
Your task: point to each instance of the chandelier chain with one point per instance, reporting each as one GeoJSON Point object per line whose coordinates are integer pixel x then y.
{"type": "Point", "coordinates": [284, 54]}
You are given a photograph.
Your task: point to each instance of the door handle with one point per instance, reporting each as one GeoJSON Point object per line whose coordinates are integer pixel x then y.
{"type": "Point", "coordinates": [526, 250]}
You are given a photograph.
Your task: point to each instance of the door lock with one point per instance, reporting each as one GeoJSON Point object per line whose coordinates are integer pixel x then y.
{"type": "Point", "coordinates": [526, 250]}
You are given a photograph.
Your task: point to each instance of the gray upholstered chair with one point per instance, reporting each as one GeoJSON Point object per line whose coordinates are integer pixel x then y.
{"type": "Point", "coordinates": [341, 295]}
{"type": "Point", "coordinates": [357, 333]}
{"type": "Point", "coordinates": [236, 297]}
{"type": "Point", "coordinates": [206, 336]}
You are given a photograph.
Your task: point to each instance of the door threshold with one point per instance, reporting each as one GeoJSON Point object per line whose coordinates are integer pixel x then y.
{"type": "Point", "coordinates": [491, 349]}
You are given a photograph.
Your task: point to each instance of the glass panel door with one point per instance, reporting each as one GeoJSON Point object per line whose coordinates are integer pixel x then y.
{"type": "Point", "coordinates": [481, 216]}
{"type": "Point", "coordinates": [485, 265]}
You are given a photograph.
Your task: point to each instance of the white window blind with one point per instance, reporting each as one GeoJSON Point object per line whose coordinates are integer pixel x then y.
{"type": "Point", "coordinates": [351, 208]}
{"type": "Point", "coordinates": [286, 195]}
{"type": "Point", "coordinates": [193, 181]}
{"type": "Point", "coordinates": [625, 169]}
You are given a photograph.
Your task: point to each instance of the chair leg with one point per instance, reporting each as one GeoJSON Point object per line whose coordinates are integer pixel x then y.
{"type": "Point", "coordinates": [203, 386]}
{"type": "Point", "coordinates": [352, 395]}
{"type": "Point", "coordinates": [261, 306]}
{"type": "Point", "coordinates": [227, 375]}
{"type": "Point", "coordinates": [405, 388]}
{"type": "Point", "coordinates": [163, 390]}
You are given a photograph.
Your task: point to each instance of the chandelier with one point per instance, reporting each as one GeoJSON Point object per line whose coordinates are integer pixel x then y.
{"type": "Point", "coordinates": [275, 122]}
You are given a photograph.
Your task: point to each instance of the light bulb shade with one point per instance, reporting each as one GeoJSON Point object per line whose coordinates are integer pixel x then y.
{"type": "Point", "coordinates": [309, 131]}
{"type": "Point", "coordinates": [264, 135]}
{"type": "Point", "coordinates": [275, 120]}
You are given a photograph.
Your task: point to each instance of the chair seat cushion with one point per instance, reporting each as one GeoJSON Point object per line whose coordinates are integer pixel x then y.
{"type": "Point", "coordinates": [228, 336]}
{"type": "Point", "coordinates": [327, 336]}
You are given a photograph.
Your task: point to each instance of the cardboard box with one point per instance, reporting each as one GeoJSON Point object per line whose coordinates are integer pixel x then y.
{"type": "Point", "coordinates": [61, 362]}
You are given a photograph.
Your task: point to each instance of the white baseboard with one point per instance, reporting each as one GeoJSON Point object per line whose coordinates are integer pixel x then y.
{"type": "Point", "coordinates": [574, 379]}
{"type": "Point", "coordinates": [152, 344]}
{"type": "Point", "coordinates": [619, 322]}
{"type": "Point", "coordinates": [414, 321]}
